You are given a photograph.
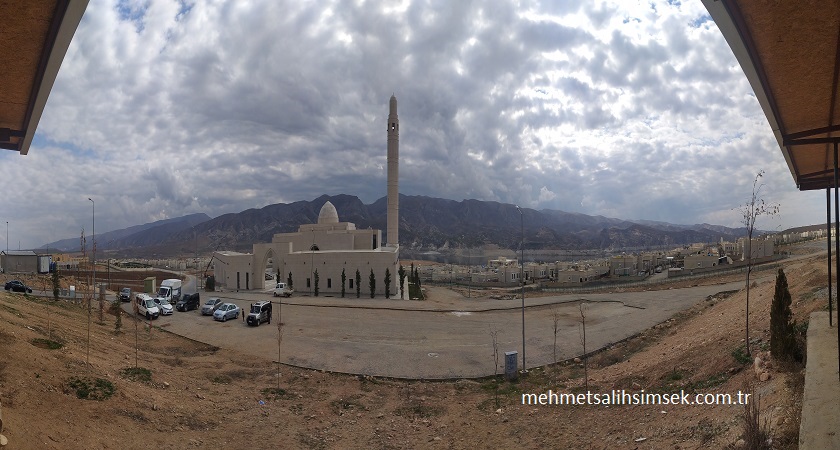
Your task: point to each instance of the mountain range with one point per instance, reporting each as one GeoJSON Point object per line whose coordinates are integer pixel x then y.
{"type": "Point", "coordinates": [426, 223]}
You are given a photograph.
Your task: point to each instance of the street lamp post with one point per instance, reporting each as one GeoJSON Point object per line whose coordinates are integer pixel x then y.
{"type": "Point", "coordinates": [522, 278]}
{"type": "Point", "coordinates": [195, 258]}
{"type": "Point", "coordinates": [93, 219]}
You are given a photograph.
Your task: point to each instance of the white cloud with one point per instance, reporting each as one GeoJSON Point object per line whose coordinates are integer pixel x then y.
{"type": "Point", "coordinates": [164, 108]}
{"type": "Point", "coordinates": [546, 195]}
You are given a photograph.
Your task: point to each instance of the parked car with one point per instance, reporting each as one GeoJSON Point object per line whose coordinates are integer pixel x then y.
{"type": "Point", "coordinates": [164, 306]}
{"type": "Point", "coordinates": [210, 306]}
{"type": "Point", "coordinates": [188, 302]}
{"type": "Point", "coordinates": [260, 312]}
{"type": "Point", "coordinates": [17, 286]}
{"type": "Point", "coordinates": [125, 294]}
{"type": "Point", "coordinates": [146, 306]}
{"type": "Point", "coordinates": [226, 311]}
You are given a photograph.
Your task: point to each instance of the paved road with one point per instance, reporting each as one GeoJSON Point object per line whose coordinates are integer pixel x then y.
{"type": "Point", "coordinates": [431, 340]}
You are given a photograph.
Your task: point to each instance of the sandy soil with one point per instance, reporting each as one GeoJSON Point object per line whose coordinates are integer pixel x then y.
{"type": "Point", "coordinates": [199, 396]}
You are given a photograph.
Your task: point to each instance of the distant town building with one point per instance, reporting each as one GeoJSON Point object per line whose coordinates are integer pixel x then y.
{"type": "Point", "coordinates": [624, 265]}
{"type": "Point", "coordinates": [759, 248]}
{"type": "Point", "coordinates": [701, 260]}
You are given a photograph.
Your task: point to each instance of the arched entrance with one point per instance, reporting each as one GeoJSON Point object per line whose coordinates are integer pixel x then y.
{"type": "Point", "coordinates": [264, 258]}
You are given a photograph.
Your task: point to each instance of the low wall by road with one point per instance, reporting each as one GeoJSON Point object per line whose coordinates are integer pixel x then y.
{"type": "Point", "coordinates": [820, 425]}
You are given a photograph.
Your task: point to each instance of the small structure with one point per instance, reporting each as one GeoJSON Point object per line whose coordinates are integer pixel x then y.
{"type": "Point", "coordinates": [16, 261]}
{"type": "Point", "coordinates": [149, 285]}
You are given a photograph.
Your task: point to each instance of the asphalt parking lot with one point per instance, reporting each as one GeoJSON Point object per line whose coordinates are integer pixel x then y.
{"type": "Point", "coordinates": [422, 340]}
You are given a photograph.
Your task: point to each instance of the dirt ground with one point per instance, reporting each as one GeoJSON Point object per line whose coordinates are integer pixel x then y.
{"type": "Point", "coordinates": [198, 396]}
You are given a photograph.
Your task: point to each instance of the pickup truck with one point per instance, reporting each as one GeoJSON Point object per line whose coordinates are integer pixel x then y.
{"type": "Point", "coordinates": [284, 290]}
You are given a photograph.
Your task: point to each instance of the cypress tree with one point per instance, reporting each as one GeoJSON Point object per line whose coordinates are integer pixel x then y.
{"type": "Point", "coordinates": [782, 331]}
{"type": "Point", "coordinates": [372, 284]}
{"type": "Point", "coordinates": [401, 274]}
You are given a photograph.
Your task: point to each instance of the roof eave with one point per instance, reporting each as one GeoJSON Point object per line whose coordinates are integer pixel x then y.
{"type": "Point", "coordinates": [726, 15]}
{"type": "Point", "coordinates": [54, 52]}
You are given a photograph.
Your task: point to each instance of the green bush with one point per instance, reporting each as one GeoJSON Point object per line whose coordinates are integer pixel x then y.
{"type": "Point", "coordinates": [136, 374]}
{"type": "Point", "coordinates": [91, 389]}
{"type": "Point", "coordinates": [740, 355]}
{"type": "Point", "coordinates": [47, 343]}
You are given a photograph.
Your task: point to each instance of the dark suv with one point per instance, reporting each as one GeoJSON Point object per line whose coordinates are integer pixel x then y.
{"type": "Point", "coordinates": [188, 302]}
{"type": "Point", "coordinates": [125, 294]}
{"type": "Point", "coordinates": [260, 312]}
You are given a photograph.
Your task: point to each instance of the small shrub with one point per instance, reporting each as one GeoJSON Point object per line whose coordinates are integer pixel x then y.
{"type": "Point", "coordinates": [274, 393]}
{"type": "Point", "coordinates": [345, 404]}
{"type": "Point", "coordinates": [741, 356]}
{"type": "Point", "coordinates": [221, 379]}
{"type": "Point", "coordinates": [136, 374]}
{"type": "Point", "coordinates": [708, 383]}
{"type": "Point", "coordinates": [674, 375]}
{"type": "Point", "coordinates": [419, 410]}
{"type": "Point", "coordinates": [756, 433]}
{"type": "Point", "coordinates": [87, 389]}
{"type": "Point", "coordinates": [47, 343]}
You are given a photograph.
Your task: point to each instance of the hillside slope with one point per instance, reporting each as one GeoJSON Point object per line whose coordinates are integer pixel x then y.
{"type": "Point", "coordinates": [205, 397]}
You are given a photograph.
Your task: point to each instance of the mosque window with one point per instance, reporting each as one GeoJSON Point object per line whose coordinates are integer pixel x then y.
{"type": "Point", "coordinates": [329, 283]}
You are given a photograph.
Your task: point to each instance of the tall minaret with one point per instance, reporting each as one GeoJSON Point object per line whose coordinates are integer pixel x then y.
{"type": "Point", "coordinates": [393, 175]}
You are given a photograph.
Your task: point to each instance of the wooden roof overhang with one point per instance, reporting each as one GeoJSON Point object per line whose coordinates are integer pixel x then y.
{"type": "Point", "coordinates": [34, 38]}
{"type": "Point", "coordinates": [789, 51]}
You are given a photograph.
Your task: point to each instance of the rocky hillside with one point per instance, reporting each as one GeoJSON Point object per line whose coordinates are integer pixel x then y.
{"type": "Point", "coordinates": [425, 224]}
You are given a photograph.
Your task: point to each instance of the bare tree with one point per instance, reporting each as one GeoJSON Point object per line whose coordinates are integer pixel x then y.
{"type": "Point", "coordinates": [494, 336]}
{"type": "Point", "coordinates": [555, 317]}
{"type": "Point", "coordinates": [56, 285]}
{"type": "Point", "coordinates": [136, 335]}
{"type": "Point", "coordinates": [750, 213]}
{"type": "Point", "coordinates": [583, 342]}
{"type": "Point", "coordinates": [88, 300]}
{"type": "Point", "coordinates": [45, 282]}
{"type": "Point", "coordinates": [279, 339]}
{"type": "Point", "coordinates": [101, 294]}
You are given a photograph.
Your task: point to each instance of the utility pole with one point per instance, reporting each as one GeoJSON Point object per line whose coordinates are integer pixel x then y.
{"type": "Point", "coordinates": [93, 219]}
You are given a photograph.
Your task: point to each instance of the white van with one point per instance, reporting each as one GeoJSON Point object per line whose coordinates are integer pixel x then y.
{"type": "Point", "coordinates": [146, 306]}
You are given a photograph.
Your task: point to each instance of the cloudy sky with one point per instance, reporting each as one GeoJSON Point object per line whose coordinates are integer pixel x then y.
{"type": "Point", "coordinates": [633, 110]}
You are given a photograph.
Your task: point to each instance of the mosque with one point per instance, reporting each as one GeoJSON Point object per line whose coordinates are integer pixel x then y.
{"type": "Point", "coordinates": [329, 246]}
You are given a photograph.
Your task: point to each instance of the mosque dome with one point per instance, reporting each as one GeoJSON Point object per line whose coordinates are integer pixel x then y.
{"type": "Point", "coordinates": [328, 214]}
